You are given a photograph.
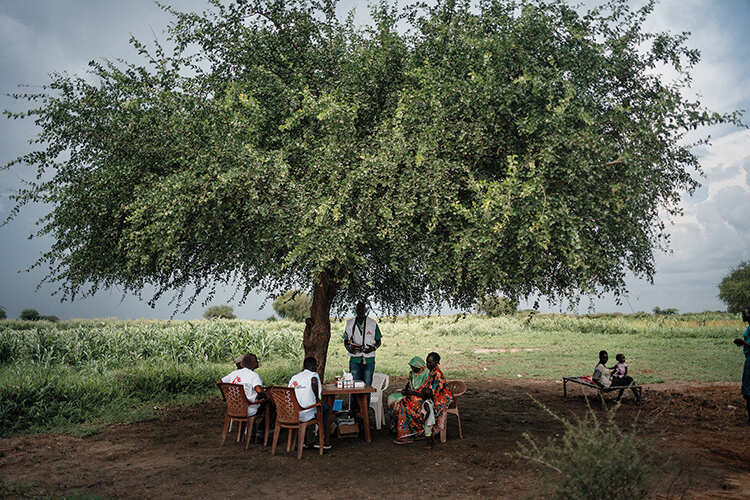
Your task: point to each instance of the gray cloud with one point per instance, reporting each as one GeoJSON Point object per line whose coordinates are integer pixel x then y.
{"type": "Point", "coordinates": [746, 168]}
{"type": "Point", "coordinates": [712, 237]}
{"type": "Point", "coordinates": [733, 205]}
{"type": "Point", "coordinates": [724, 172]}
{"type": "Point", "coordinates": [699, 195]}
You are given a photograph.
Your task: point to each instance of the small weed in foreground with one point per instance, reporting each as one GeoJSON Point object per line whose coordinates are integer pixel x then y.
{"type": "Point", "coordinates": [594, 457]}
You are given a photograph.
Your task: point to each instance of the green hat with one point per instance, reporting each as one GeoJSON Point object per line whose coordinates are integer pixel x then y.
{"type": "Point", "coordinates": [417, 362]}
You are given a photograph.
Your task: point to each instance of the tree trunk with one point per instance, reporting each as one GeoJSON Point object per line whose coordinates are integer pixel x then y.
{"type": "Point", "coordinates": [316, 339]}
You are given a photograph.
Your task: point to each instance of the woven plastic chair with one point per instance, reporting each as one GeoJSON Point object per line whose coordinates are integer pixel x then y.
{"type": "Point", "coordinates": [458, 388]}
{"type": "Point", "coordinates": [287, 417]}
{"type": "Point", "coordinates": [237, 404]}
{"type": "Point", "coordinates": [380, 382]}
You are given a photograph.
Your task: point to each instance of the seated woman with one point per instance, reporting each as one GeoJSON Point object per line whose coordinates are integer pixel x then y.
{"type": "Point", "coordinates": [417, 376]}
{"type": "Point", "coordinates": [420, 408]}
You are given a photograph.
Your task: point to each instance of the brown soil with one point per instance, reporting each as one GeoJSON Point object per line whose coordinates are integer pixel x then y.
{"type": "Point", "coordinates": [701, 451]}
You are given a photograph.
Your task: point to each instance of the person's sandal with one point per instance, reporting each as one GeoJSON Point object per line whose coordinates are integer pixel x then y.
{"type": "Point", "coordinates": [402, 441]}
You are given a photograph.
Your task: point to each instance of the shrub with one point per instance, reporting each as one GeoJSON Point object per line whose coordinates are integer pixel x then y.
{"type": "Point", "coordinates": [30, 315]}
{"type": "Point", "coordinates": [52, 318]}
{"type": "Point", "coordinates": [611, 315]}
{"type": "Point", "coordinates": [594, 458]}
{"type": "Point", "coordinates": [219, 312]}
{"type": "Point", "coordinates": [496, 305]}
{"type": "Point", "coordinates": [293, 304]}
{"type": "Point", "coordinates": [671, 311]}
{"type": "Point", "coordinates": [639, 315]}
{"type": "Point", "coordinates": [272, 318]}
{"type": "Point", "coordinates": [2, 313]}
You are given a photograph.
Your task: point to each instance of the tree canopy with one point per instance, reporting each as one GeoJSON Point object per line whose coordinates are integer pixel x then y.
{"type": "Point", "coordinates": [734, 289]}
{"type": "Point", "coordinates": [496, 305]}
{"type": "Point", "coordinates": [293, 304]}
{"type": "Point", "coordinates": [439, 154]}
{"type": "Point", "coordinates": [219, 312]}
{"type": "Point", "coordinates": [30, 315]}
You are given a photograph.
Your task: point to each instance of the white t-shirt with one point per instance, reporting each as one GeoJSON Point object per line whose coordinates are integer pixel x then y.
{"type": "Point", "coordinates": [302, 383]}
{"type": "Point", "coordinates": [249, 379]}
{"type": "Point", "coordinates": [602, 375]}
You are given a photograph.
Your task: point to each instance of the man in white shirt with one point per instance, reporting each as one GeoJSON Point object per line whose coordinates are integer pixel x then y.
{"type": "Point", "coordinates": [308, 390]}
{"type": "Point", "coordinates": [361, 338]}
{"type": "Point", "coordinates": [247, 376]}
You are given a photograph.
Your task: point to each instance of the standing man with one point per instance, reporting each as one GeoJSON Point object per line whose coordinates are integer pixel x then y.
{"type": "Point", "coordinates": [361, 339]}
{"type": "Point", "coordinates": [745, 343]}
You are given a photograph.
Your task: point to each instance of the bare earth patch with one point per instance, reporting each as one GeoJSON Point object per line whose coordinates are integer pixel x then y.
{"type": "Point", "coordinates": [694, 429]}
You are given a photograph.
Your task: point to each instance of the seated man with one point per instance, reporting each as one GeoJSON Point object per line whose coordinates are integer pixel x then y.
{"type": "Point", "coordinates": [308, 390]}
{"type": "Point", "coordinates": [247, 376]}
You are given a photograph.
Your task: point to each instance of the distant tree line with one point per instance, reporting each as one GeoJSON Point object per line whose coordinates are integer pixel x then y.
{"type": "Point", "coordinates": [669, 311]}
{"type": "Point", "coordinates": [31, 315]}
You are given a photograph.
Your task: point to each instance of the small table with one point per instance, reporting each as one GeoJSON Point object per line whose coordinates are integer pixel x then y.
{"type": "Point", "coordinates": [330, 391]}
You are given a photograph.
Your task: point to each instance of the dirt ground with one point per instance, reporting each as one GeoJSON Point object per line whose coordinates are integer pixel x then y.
{"type": "Point", "coordinates": [702, 452]}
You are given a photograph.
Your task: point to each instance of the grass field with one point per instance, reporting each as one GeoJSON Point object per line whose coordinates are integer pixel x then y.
{"type": "Point", "coordinates": [77, 375]}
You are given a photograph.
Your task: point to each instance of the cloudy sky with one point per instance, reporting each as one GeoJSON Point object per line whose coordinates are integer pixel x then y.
{"type": "Point", "coordinates": [41, 36]}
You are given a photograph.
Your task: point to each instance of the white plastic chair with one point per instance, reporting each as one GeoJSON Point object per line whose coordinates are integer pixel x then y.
{"type": "Point", "coordinates": [380, 382]}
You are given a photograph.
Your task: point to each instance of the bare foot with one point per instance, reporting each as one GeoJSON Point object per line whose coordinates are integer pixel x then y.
{"type": "Point", "coordinates": [402, 441]}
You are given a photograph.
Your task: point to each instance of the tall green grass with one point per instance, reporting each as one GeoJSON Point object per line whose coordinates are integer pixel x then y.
{"type": "Point", "coordinates": [115, 343]}
{"type": "Point", "coordinates": [88, 370]}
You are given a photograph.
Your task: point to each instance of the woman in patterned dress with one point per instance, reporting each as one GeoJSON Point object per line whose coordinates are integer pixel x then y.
{"type": "Point", "coordinates": [417, 376]}
{"type": "Point", "coordinates": [420, 409]}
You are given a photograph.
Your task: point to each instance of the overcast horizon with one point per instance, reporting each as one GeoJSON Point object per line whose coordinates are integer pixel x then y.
{"type": "Point", "coordinates": [711, 237]}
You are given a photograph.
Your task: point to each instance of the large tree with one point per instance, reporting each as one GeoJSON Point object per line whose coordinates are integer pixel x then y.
{"type": "Point", "coordinates": [734, 289]}
{"type": "Point", "coordinates": [442, 153]}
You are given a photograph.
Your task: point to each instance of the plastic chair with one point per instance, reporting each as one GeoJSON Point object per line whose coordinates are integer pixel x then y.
{"type": "Point", "coordinates": [237, 404]}
{"type": "Point", "coordinates": [380, 382]}
{"type": "Point", "coordinates": [457, 388]}
{"type": "Point", "coordinates": [287, 417]}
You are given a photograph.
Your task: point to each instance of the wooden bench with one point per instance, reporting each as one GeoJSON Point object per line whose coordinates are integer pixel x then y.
{"type": "Point", "coordinates": [600, 390]}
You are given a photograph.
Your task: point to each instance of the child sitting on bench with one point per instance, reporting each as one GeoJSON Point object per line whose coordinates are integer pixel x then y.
{"type": "Point", "coordinates": [604, 379]}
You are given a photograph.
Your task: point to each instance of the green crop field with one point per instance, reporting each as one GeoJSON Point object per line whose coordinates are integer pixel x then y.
{"type": "Point", "coordinates": [77, 375]}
